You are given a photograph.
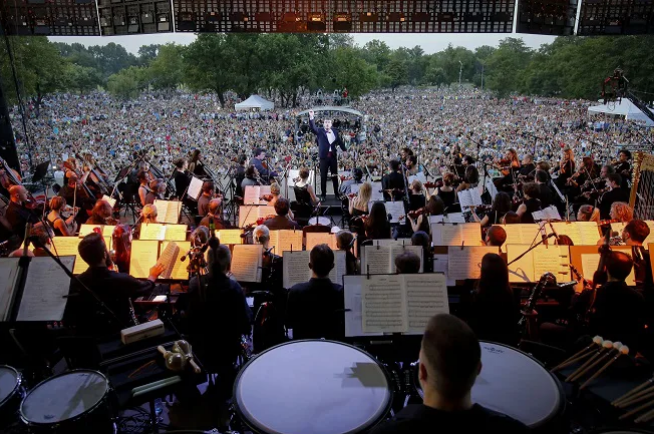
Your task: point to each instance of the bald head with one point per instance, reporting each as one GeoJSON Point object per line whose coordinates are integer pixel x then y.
{"type": "Point", "coordinates": [17, 193]}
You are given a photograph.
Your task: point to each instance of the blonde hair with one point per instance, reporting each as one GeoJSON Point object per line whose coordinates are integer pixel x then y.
{"type": "Point", "coordinates": [274, 189]}
{"type": "Point", "coordinates": [363, 197]}
{"type": "Point", "coordinates": [416, 185]}
{"type": "Point", "coordinates": [621, 211]}
{"type": "Point", "coordinates": [149, 213]}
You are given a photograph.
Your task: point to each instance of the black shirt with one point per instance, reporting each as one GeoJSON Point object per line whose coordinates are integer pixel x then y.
{"type": "Point", "coordinates": [546, 195]}
{"type": "Point", "coordinates": [393, 181]}
{"type": "Point", "coordinates": [618, 313]}
{"type": "Point", "coordinates": [181, 183]}
{"type": "Point", "coordinates": [18, 216]}
{"type": "Point", "coordinates": [315, 310]}
{"type": "Point", "coordinates": [281, 222]}
{"type": "Point", "coordinates": [607, 199]}
{"type": "Point", "coordinates": [419, 419]}
{"type": "Point", "coordinates": [532, 205]}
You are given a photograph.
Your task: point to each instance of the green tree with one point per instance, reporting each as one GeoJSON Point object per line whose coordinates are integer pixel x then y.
{"type": "Point", "coordinates": [352, 72]}
{"type": "Point", "coordinates": [397, 73]}
{"type": "Point", "coordinates": [377, 53]}
{"type": "Point", "coordinates": [206, 65]}
{"type": "Point", "coordinates": [147, 53]}
{"type": "Point", "coordinates": [166, 71]}
{"type": "Point", "coordinates": [82, 79]}
{"type": "Point", "coordinates": [127, 83]}
{"type": "Point", "coordinates": [505, 66]}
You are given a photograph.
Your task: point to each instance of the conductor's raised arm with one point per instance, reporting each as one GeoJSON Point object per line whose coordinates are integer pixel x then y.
{"type": "Point", "coordinates": [312, 124]}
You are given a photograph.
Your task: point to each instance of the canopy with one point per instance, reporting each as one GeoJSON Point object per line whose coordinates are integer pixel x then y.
{"type": "Point", "coordinates": [255, 102]}
{"type": "Point", "coordinates": [623, 108]}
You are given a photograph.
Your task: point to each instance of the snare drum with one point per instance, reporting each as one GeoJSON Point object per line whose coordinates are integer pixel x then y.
{"type": "Point", "coordinates": [320, 221]}
{"type": "Point", "coordinates": [11, 394]}
{"type": "Point", "coordinates": [515, 384]}
{"type": "Point", "coordinates": [312, 387]}
{"type": "Point", "coordinates": [73, 402]}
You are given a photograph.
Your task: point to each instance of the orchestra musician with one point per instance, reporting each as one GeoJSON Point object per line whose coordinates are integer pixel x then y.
{"type": "Point", "coordinates": [144, 187]}
{"type": "Point", "coordinates": [407, 263]}
{"type": "Point", "coordinates": [182, 179]}
{"type": "Point", "coordinates": [213, 215]}
{"type": "Point", "coordinates": [251, 178]}
{"type": "Point", "coordinates": [419, 219]}
{"type": "Point", "coordinates": [509, 166]}
{"type": "Point", "coordinates": [157, 189]}
{"type": "Point", "coordinates": [113, 288]}
{"type": "Point", "coordinates": [315, 309]}
{"type": "Point", "coordinates": [412, 168]}
{"type": "Point", "coordinates": [450, 361]}
{"type": "Point", "coordinates": [377, 226]}
{"type": "Point", "coordinates": [416, 195]}
{"type": "Point", "coordinates": [122, 247]}
{"type": "Point", "coordinates": [357, 178]}
{"type": "Point", "coordinates": [208, 193]}
{"type": "Point", "coordinates": [421, 238]}
{"type": "Point", "coordinates": [101, 214]}
{"type": "Point", "coordinates": [61, 227]}
{"type": "Point", "coordinates": [258, 162]}
{"type": "Point", "coordinates": [530, 204]}
{"type": "Point", "coordinates": [500, 206]}
{"type": "Point", "coordinates": [446, 191]}
{"type": "Point", "coordinates": [393, 182]}
{"type": "Point", "coordinates": [275, 194]}
{"type": "Point", "coordinates": [345, 242]}
{"type": "Point", "coordinates": [470, 179]}
{"type": "Point", "coordinates": [149, 214]}
{"type": "Point", "coordinates": [588, 213]}
{"type": "Point", "coordinates": [566, 168]}
{"type": "Point", "coordinates": [271, 265]}
{"type": "Point", "coordinates": [526, 172]}
{"type": "Point", "coordinates": [281, 220]}
{"type": "Point", "coordinates": [623, 165]}
{"type": "Point", "coordinates": [545, 193]}
{"type": "Point", "coordinates": [614, 194]}
{"type": "Point", "coordinates": [304, 185]}
{"type": "Point", "coordinates": [634, 235]}
{"type": "Point", "coordinates": [328, 140]}
{"type": "Point", "coordinates": [18, 215]}
{"type": "Point", "coordinates": [495, 236]}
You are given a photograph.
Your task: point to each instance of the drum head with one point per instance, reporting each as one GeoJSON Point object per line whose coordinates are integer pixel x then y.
{"type": "Point", "coordinates": [8, 382]}
{"type": "Point", "coordinates": [507, 384]}
{"type": "Point", "coordinates": [312, 387]}
{"type": "Point", "coordinates": [64, 397]}
{"type": "Point", "coordinates": [321, 221]}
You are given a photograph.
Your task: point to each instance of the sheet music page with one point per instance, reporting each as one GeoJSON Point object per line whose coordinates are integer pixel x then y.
{"type": "Point", "coordinates": [247, 215]}
{"type": "Point", "coordinates": [152, 231]}
{"type": "Point", "coordinates": [85, 229]}
{"type": "Point", "coordinates": [352, 288]}
{"type": "Point", "coordinates": [289, 240]}
{"type": "Point", "coordinates": [395, 209]}
{"type": "Point", "coordinates": [246, 262]}
{"type": "Point", "coordinates": [175, 232]}
{"type": "Point", "coordinates": [266, 211]}
{"type": "Point", "coordinates": [618, 227]}
{"type": "Point", "coordinates": [466, 263]}
{"type": "Point", "coordinates": [8, 274]}
{"type": "Point", "coordinates": [590, 234]}
{"type": "Point", "coordinates": [551, 213]}
{"type": "Point", "coordinates": [490, 187]}
{"type": "Point", "coordinates": [144, 256]}
{"type": "Point", "coordinates": [377, 194]}
{"type": "Point", "coordinates": [67, 246]}
{"type": "Point", "coordinates": [168, 211]}
{"type": "Point", "coordinates": [295, 268]}
{"type": "Point", "coordinates": [512, 236]}
{"type": "Point", "coordinates": [340, 267]}
{"type": "Point", "coordinates": [440, 266]}
{"type": "Point", "coordinates": [392, 243]}
{"type": "Point", "coordinates": [194, 188]}
{"type": "Point", "coordinates": [569, 229]}
{"type": "Point", "coordinates": [263, 190]}
{"type": "Point", "coordinates": [179, 271]}
{"type": "Point", "coordinates": [108, 231]}
{"type": "Point", "coordinates": [45, 288]}
{"type": "Point", "coordinates": [522, 270]}
{"type": "Point", "coordinates": [426, 296]}
{"type": "Point", "coordinates": [528, 232]}
{"type": "Point", "coordinates": [251, 195]}
{"type": "Point", "coordinates": [436, 230]}
{"type": "Point", "coordinates": [230, 236]}
{"type": "Point", "coordinates": [455, 217]}
{"type": "Point", "coordinates": [590, 261]}
{"type": "Point", "coordinates": [376, 260]}
{"type": "Point", "coordinates": [553, 259]}
{"type": "Point", "coordinates": [293, 174]}
{"type": "Point", "coordinates": [384, 304]}
{"type": "Point", "coordinates": [315, 238]}
{"type": "Point", "coordinates": [465, 199]}
{"type": "Point", "coordinates": [451, 235]}
{"type": "Point", "coordinates": [471, 234]}
{"type": "Point", "coordinates": [398, 250]}
{"type": "Point", "coordinates": [167, 257]}
{"type": "Point", "coordinates": [436, 219]}
{"type": "Point", "coordinates": [538, 215]}
{"type": "Point", "coordinates": [354, 188]}
{"type": "Point", "coordinates": [109, 200]}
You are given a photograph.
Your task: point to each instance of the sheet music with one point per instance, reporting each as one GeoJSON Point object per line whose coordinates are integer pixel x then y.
{"type": "Point", "coordinates": [528, 232]}
{"type": "Point", "coordinates": [340, 267]}
{"type": "Point", "coordinates": [398, 250]}
{"type": "Point", "coordinates": [352, 290]}
{"type": "Point", "coordinates": [246, 262]}
{"type": "Point", "coordinates": [295, 268]}
{"type": "Point", "coordinates": [168, 211]}
{"type": "Point", "coordinates": [426, 296]}
{"type": "Point", "coordinates": [376, 260]}
{"type": "Point", "coordinates": [466, 263]}
{"type": "Point", "coordinates": [315, 238]}
{"type": "Point", "coordinates": [469, 198]}
{"type": "Point", "coordinates": [395, 209]}
{"type": "Point", "coordinates": [436, 219]}
{"type": "Point", "coordinates": [230, 236]}
{"type": "Point", "coordinates": [247, 215]}
{"type": "Point", "coordinates": [252, 195]}
{"type": "Point", "coordinates": [420, 176]}
{"type": "Point", "coordinates": [67, 246]}
{"type": "Point", "coordinates": [110, 200]}
{"type": "Point", "coordinates": [440, 266]}
{"type": "Point", "coordinates": [490, 187]}
{"type": "Point", "coordinates": [542, 259]}
{"type": "Point", "coordinates": [455, 234]}
{"type": "Point", "coordinates": [455, 217]}
{"type": "Point", "coordinates": [108, 231]}
{"type": "Point", "coordinates": [522, 270]}
{"type": "Point", "coordinates": [377, 194]}
{"type": "Point", "coordinates": [144, 256]}
{"type": "Point", "coordinates": [384, 304]}
{"type": "Point", "coordinates": [286, 241]}
{"type": "Point", "coordinates": [391, 242]}
{"type": "Point", "coordinates": [194, 188]}
{"type": "Point", "coordinates": [8, 274]}
{"type": "Point", "coordinates": [45, 288]}
{"type": "Point", "coordinates": [152, 231]}
{"type": "Point", "coordinates": [589, 233]}
{"type": "Point", "coordinates": [178, 270]}
{"type": "Point", "coordinates": [85, 229]}
{"type": "Point", "coordinates": [590, 261]}
{"type": "Point", "coordinates": [167, 257]}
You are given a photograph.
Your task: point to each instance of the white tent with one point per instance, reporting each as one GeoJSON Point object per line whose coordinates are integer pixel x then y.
{"type": "Point", "coordinates": [255, 102]}
{"type": "Point", "coordinates": [623, 108]}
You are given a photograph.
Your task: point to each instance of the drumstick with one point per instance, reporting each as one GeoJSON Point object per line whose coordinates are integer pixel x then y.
{"type": "Point", "coordinates": [638, 394]}
{"type": "Point", "coordinates": [636, 410]}
{"type": "Point", "coordinates": [622, 350]}
{"type": "Point", "coordinates": [597, 340]}
{"type": "Point", "coordinates": [605, 345]}
{"type": "Point", "coordinates": [646, 417]}
{"type": "Point", "coordinates": [636, 400]}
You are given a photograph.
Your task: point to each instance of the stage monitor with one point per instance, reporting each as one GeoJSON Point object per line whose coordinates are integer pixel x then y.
{"type": "Point", "coordinates": [51, 18]}
{"type": "Point", "coordinates": [547, 17]}
{"type": "Point", "coordinates": [132, 17]}
{"type": "Point", "coordinates": [336, 16]}
{"type": "Point", "coordinates": [616, 17]}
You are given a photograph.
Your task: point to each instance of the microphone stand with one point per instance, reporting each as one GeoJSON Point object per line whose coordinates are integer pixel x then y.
{"type": "Point", "coordinates": [530, 249]}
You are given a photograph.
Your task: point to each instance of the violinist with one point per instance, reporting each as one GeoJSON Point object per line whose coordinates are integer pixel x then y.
{"type": "Point", "coordinates": [470, 179]}
{"type": "Point", "coordinates": [208, 192]}
{"type": "Point", "coordinates": [358, 205]}
{"type": "Point", "coordinates": [43, 234]}
{"type": "Point", "coordinates": [501, 205]}
{"type": "Point", "coordinates": [306, 187]}
{"type": "Point", "coordinates": [530, 204]}
{"type": "Point", "coordinates": [345, 242]}
{"type": "Point", "coordinates": [412, 168]}
{"type": "Point", "coordinates": [275, 194]}
{"type": "Point", "coordinates": [61, 227]}
{"type": "Point", "coordinates": [101, 214]}
{"type": "Point", "coordinates": [595, 188]}
{"type": "Point", "coordinates": [446, 191]}
{"type": "Point", "coordinates": [157, 191]}
{"type": "Point", "coordinates": [281, 220]}
{"type": "Point", "coordinates": [416, 195]}
{"type": "Point", "coordinates": [509, 166]}
{"type": "Point", "coordinates": [377, 226]}
{"type": "Point", "coordinates": [122, 243]}
{"type": "Point", "coordinates": [8, 177]}
{"type": "Point", "coordinates": [623, 166]}
{"type": "Point", "coordinates": [182, 180]}
{"type": "Point", "coordinates": [495, 236]}
{"type": "Point", "coordinates": [566, 168]}
{"type": "Point", "coordinates": [545, 194]}
{"type": "Point", "coordinates": [271, 265]}
{"type": "Point", "coordinates": [588, 213]}
{"type": "Point", "coordinates": [419, 219]}
{"type": "Point", "coordinates": [346, 186]}
{"type": "Point", "coordinates": [393, 182]}
{"type": "Point", "coordinates": [17, 214]}
{"type": "Point", "coordinates": [149, 214]}
{"type": "Point", "coordinates": [144, 188]}
{"type": "Point", "coordinates": [614, 194]}
{"type": "Point", "coordinates": [213, 215]}
{"type": "Point", "coordinates": [526, 172]}
{"type": "Point", "coordinates": [196, 166]}
{"type": "Point", "coordinates": [251, 178]}
{"type": "Point", "coordinates": [262, 167]}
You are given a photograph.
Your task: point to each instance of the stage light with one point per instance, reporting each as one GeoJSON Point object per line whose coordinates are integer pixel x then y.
{"type": "Point", "coordinates": [55, 17]}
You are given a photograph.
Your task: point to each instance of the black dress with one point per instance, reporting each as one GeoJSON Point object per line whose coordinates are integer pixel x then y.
{"type": "Point", "coordinates": [532, 205]}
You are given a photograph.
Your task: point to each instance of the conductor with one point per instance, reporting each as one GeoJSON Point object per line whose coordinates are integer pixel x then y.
{"type": "Point", "coordinates": [328, 139]}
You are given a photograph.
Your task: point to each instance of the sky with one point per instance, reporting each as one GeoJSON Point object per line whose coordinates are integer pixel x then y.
{"type": "Point", "coordinates": [430, 43]}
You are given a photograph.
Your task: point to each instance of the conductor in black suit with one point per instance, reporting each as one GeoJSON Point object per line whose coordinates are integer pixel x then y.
{"type": "Point", "coordinates": [328, 139]}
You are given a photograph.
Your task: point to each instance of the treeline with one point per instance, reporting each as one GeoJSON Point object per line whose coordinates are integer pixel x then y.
{"type": "Point", "coordinates": [286, 65]}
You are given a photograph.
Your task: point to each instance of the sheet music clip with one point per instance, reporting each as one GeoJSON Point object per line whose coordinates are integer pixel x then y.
{"type": "Point", "coordinates": [462, 243]}
{"type": "Point", "coordinates": [292, 247]}
{"type": "Point", "coordinates": [368, 271]}
{"type": "Point", "coordinates": [377, 244]}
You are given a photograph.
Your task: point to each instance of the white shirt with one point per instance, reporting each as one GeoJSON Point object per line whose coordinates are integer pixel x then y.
{"type": "Point", "coordinates": [330, 136]}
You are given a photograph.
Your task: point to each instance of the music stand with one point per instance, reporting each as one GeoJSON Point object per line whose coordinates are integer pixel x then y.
{"type": "Point", "coordinates": [40, 171]}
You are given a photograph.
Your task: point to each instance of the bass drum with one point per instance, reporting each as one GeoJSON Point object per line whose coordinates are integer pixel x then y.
{"type": "Point", "coordinates": [507, 384]}
{"type": "Point", "coordinates": [621, 431]}
{"type": "Point", "coordinates": [326, 388]}
{"type": "Point", "coordinates": [73, 402]}
{"type": "Point", "coordinates": [12, 392]}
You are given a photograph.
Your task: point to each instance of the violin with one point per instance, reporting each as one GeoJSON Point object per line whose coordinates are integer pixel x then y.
{"type": "Point", "coordinates": [266, 197]}
{"type": "Point", "coordinates": [68, 211]}
{"type": "Point", "coordinates": [260, 220]}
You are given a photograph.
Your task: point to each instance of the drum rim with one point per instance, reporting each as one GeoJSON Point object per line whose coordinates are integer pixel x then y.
{"type": "Point", "coordinates": [19, 381]}
{"type": "Point", "coordinates": [610, 430]}
{"type": "Point", "coordinates": [562, 400]}
{"type": "Point", "coordinates": [364, 429]}
{"type": "Point", "coordinates": [70, 419]}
